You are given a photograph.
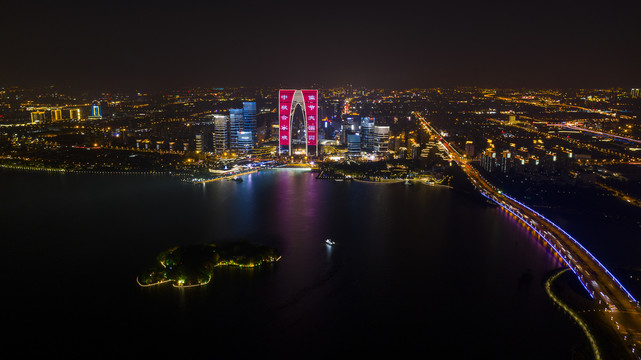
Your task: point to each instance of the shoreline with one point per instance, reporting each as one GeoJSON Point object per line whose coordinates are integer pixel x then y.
{"type": "Point", "coordinates": [91, 172]}
{"type": "Point", "coordinates": [573, 314]}
{"type": "Point", "coordinates": [379, 182]}
{"type": "Point", "coordinates": [585, 312]}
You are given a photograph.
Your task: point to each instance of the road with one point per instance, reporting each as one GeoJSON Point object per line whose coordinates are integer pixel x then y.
{"type": "Point", "coordinates": [622, 308]}
{"type": "Point", "coordinates": [600, 133]}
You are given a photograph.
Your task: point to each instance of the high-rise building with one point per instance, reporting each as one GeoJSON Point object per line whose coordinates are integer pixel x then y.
{"type": "Point", "coordinates": [37, 116]}
{"type": "Point", "coordinates": [95, 111]}
{"type": "Point", "coordinates": [235, 126]}
{"type": "Point", "coordinates": [381, 139]}
{"type": "Point", "coordinates": [221, 139]}
{"type": "Point", "coordinates": [290, 101]}
{"type": "Point", "coordinates": [469, 149]}
{"type": "Point", "coordinates": [367, 133]}
{"type": "Point", "coordinates": [56, 115]}
{"type": "Point", "coordinates": [488, 160]}
{"type": "Point", "coordinates": [249, 118]}
{"type": "Point", "coordinates": [274, 132]}
{"type": "Point", "coordinates": [353, 145]}
{"type": "Point", "coordinates": [245, 140]}
{"type": "Point", "coordinates": [199, 143]}
{"type": "Point", "coordinates": [635, 93]}
{"type": "Point", "coordinates": [74, 114]}
{"type": "Point", "coordinates": [506, 161]}
{"type": "Point", "coordinates": [416, 150]}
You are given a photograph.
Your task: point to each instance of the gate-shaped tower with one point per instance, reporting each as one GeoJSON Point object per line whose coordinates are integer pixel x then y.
{"type": "Point", "coordinates": [307, 100]}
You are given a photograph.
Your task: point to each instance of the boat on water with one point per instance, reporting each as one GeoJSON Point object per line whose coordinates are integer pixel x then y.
{"type": "Point", "coordinates": [237, 179]}
{"type": "Point", "coordinates": [330, 242]}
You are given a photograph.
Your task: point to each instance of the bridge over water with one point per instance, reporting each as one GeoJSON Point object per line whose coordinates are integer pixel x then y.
{"type": "Point", "coordinates": [623, 309]}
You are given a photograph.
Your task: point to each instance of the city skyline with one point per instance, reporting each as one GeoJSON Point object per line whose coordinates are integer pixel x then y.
{"type": "Point", "coordinates": [552, 178]}
{"type": "Point", "coordinates": [430, 177]}
{"type": "Point", "coordinates": [292, 45]}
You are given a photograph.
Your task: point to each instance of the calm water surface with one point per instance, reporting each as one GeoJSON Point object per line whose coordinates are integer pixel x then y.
{"type": "Point", "coordinates": [415, 268]}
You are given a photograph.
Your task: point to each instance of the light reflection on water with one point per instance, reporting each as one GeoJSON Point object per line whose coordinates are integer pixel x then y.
{"type": "Point", "coordinates": [415, 268]}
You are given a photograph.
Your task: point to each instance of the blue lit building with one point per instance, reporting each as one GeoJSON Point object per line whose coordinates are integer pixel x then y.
{"type": "Point", "coordinates": [95, 111]}
{"type": "Point", "coordinates": [353, 145]}
{"type": "Point", "coordinates": [236, 124]}
{"type": "Point", "coordinates": [245, 140]}
{"type": "Point", "coordinates": [367, 133]}
{"type": "Point", "coordinates": [249, 117]}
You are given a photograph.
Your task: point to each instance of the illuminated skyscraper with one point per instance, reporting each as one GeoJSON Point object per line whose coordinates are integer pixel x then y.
{"type": "Point", "coordinates": [353, 145]}
{"type": "Point", "coordinates": [367, 134]}
{"type": "Point", "coordinates": [381, 139]}
{"type": "Point", "coordinates": [249, 118]}
{"type": "Point", "coordinates": [635, 93]}
{"type": "Point", "coordinates": [245, 140]}
{"type": "Point", "coordinates": [221, 140]}
{"type": "Point", "coordinates": [74, 114]}
{"type": "Point", "coordinates": [469, 149]}
{"type": "Point", "coordinates": [37, 116]}
{"type": "Point", "coordinates": [289, 102]}
{"type": "Point", "coordinates": [95, 111]}
{"type": "Point", "coordinates": [199, 143]}
{"type": "Point", "coordinates": [56, 115]}
{"type": "Point", "coordinates": [235, 125]}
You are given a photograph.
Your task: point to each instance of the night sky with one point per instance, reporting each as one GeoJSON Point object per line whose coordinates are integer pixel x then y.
{"type": "Point", "coordinates": [394, 44]}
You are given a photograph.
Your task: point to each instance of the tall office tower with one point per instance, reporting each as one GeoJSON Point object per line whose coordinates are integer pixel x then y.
{"type": "Point", "coordinates": [275, 131]}
{"type": "Point", "coordinates": [221, 140]}
{"type": "Point", "coordinates": [74, 114]}
{"type": "Point", "coordinates": [199, 143]}
{"type": "Point", "coordinates": [488, 160]}
{"type": "Point", "coordinates": [353, 145]}
{"type": "Point", "coordinates": [635, 93]}
{"type": "Point", "coordinates": [249, 118]}
{"type": "Point", "coordinates": [416, 150]}
{"type": "Point", "coordinates": [95, 111]}
{"type": "Point", "coordinates": [56, 115]}
{"type": "Point", "coordinates": [235, 125]}
{"type": "Point", "coordinates": [469, 149]}
{"type": "Point", "coordinates": [367, 134]}
{"type": "Point", "coordinates": [37, 116]}
{"type": "Point", "coordinates": [245, 140]}
{"type": "Point", "coordinates": [381, 139]}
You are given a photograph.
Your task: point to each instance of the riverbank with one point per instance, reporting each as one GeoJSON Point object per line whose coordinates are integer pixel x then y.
{"type": "Point", "coordinates": [380, 182]}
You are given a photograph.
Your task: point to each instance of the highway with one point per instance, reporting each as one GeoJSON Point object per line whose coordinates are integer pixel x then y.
{"type": "Point", "coordinates": [600, 133]}
{"type": "Point", "coordinates": [619, 306]}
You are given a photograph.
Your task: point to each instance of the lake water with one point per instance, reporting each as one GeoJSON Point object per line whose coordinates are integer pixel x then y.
{"type": "Point", "coordinates": [415, 268]}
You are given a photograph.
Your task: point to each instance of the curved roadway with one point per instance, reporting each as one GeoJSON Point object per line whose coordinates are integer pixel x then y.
{"type": "Point", "coordinates": [621, 307]}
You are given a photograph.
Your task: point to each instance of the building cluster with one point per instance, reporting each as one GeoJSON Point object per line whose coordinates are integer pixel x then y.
{"type": "Point", "coordinates": [236, 131]}
{"type": "Point", "coordinates": [527, 161]}
{"type": "Point", "coordinates": [366, 137]}
{"type": "Point", "coordinates": [55, 114]}
{"type": "Point", "coordinates": [230, 132]}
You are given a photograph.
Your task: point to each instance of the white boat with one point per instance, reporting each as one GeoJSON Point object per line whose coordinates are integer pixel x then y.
{"type": "Point", "coordinates": [330, 242]}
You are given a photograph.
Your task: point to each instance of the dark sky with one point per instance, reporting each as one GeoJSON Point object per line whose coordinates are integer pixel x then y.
{"type": "Point", "coordinates": [143, 45]}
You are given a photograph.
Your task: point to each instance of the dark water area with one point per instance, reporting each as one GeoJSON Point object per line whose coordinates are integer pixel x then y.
{"type": "Point", "coordinates": [415, 268]}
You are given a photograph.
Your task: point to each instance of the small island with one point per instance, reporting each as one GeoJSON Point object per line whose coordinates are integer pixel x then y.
{"type": "Point", "coordinates": [193, 265]}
